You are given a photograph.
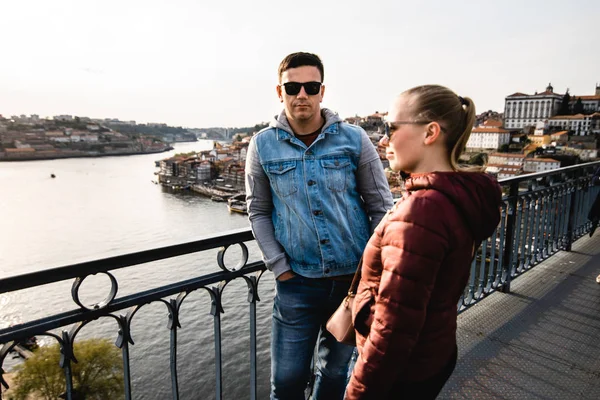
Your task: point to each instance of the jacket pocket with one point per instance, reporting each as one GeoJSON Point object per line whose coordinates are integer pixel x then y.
{"type": "Point", "coordinates": [362, 312]}
{"type": "Point", "coordinates": [282, 175]}
{"type": "Point", "coordinates": [336, 172]}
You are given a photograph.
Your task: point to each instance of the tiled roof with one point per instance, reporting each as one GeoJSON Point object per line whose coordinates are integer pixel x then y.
{"type": "Point", "coordinates": [504, 166]}
{"type": "Point", "coordinates": [592, 97]}
{"type": "Point", "coordinates": [492, 123]}
{"type": "Point", "coordinates": [481, 129]}
{"type": "Point", "coordinates": [508, 155]}
{"type": "Point", "coordinates": [507, 172]}
{"type": "Point", "coordinates": [576, 116]}
{"type": "Point", "coordinates": [545, 160]}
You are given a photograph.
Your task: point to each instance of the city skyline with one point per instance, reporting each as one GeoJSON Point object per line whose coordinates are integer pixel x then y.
{"type": "Point", "coordinates": [198, 65]}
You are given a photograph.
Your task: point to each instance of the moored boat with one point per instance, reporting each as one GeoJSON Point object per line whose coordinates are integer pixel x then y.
{"type": "Point", "coordinates": [237, 204]}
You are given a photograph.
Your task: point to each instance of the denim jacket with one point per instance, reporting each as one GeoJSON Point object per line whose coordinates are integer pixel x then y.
{"type": "Point", "coordinates": [312, 209]}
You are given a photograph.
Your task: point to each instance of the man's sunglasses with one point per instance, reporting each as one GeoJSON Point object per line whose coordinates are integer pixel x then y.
{"type": "Point", "coordinates": [293, 88]}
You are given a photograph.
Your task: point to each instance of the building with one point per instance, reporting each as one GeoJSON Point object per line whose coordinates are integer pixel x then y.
{"type": "Point", "coordinates": [506, 159]}
{"type": "Point", "coordinates": [503, 171]}
{"type": "Point", "coordinates": [63, 118]}
{"type": "Point", "coordinates": [375, 119]}
{"type": "Point", "coordinates": [578, 124]}
{"type": "Point", "coordinates": [591, 104]}
{"type": "Point", "coordinates": [353, 120]}
{"type": "Point", "coordinates": [521, 110]}
{"type": "Point", "coordinates": [489, 135]}
{"type": "Point", "coordinates": [532, 165]}
{"type": "Point", "coordinates": [560, 138]}
{"type": "Point", "coordinates": [505, 165]}
{"type": "Point", "coordinates": [540, 140]}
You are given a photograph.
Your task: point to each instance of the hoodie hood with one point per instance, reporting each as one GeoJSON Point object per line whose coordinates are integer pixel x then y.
{"type": "Point", "coordinates": [281, 122]}
{"type": "Point", "coordinates": [477, 196]}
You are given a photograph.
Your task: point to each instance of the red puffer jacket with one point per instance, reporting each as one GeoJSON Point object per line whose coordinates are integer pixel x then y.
{"type": "Point", "coordinates": [415, 268]}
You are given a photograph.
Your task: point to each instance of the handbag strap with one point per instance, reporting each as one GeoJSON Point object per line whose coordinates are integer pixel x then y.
{"type": "Point", "coordinates": [356, 279]}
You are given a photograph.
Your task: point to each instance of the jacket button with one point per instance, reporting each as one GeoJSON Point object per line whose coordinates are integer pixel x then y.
{"type": "Point", "coordinates": [324, 241]}
{"type": "Point", "coordinates": [317, 212]}
{"type": "Point", "coordinates": [336, 163]}
{"type": "Point", "coordinates": [327, 270]}
{"type": "Point", "coordinates": [311, 182]}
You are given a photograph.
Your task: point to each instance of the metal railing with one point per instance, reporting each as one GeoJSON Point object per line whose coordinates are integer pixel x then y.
{"type": "Point", "coordinates": [542, 214]}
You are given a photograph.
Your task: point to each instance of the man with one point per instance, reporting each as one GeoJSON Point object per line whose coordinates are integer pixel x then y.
{"type": "Point", "coordinates": [315, 190]}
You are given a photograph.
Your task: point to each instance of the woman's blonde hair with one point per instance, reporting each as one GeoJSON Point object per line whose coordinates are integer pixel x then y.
{"type": "Point", "coordinates": [455, 114]}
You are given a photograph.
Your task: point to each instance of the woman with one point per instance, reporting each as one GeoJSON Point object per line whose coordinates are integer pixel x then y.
{"type": "Point", "coordinates": [417, 262]}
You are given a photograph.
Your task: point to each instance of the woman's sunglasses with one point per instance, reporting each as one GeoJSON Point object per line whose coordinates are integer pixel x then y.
{"type": "Point", "coordinates": [293, 88]}
{"type": "Point", "coordinates": [392, 126]}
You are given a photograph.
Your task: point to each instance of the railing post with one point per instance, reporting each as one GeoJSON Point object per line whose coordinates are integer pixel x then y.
{"type": "Point", "coordinates": [571, 219]}
{"type": "Point", "coordinates": [66, 356]}
{"type": "Point", "coordinates": [216, 310]}
{"type": "Point", "coordinates": [511, 215]}
{"type": "Point", "coordinates": [123, 341]}
{"type": "Point", "coordinates": [172, 326]}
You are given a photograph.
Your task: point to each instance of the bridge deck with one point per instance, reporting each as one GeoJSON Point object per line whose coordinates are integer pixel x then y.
{"type": "Point", "coordinates": [541, 341]}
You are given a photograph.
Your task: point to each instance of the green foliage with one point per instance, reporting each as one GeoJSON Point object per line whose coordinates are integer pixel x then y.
{"type": "Point", "coordinates": [478, 159]}
{"type": "Point", "coordinates": [151, 130]}
{"type": "Point", "coordinates": [249, 129]}
{"type": "Point", "coordinates": [189, 154]}
{"type": "Point", "coordinates": [578, 107]}
{"type": "Point", "coordinates": [564, 105]}
{"type": "Point", "coordinates": [504, 148]}
{"type": "Point", "coordinates": [98, 374]}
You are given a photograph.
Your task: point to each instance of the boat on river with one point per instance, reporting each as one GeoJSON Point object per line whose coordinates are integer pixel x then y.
{"type": "Point", "coordinates": [237, 203]}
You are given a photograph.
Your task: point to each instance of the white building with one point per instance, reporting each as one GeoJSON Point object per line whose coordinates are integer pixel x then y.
{"type": "Point", "coordinates": [91, 138]}
{"type": "Point", "coordinates": [512, 159]}
{"type": "Point", "coordinates": [532, 165]}
{"type": "Point", "coordinates": [503, 171]}
{"type": "Point", "coordinates": [579, 124]}
{"type": "Point", "coordinates": [490, 135]}
{"type": "Point", "coordinates": [505, 165]}
{"type": "Point", "coordinates": [63, 117]}
{"type": "Point", "coordinates": [521, 110]}
{"type": "Point", "coordinates": [591, 104]}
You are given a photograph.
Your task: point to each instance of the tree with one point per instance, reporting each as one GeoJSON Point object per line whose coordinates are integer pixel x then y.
{"type": "Point", "coordinates": [504, 148]}
{"type": "Point", "coordinates": [98, 374]}
{"type": "Point", "coordinates": [564, 106]}
{"type": "Point", "coordinates": [478, 159]}
{"type": "Point", "coordinates": [578, 107]}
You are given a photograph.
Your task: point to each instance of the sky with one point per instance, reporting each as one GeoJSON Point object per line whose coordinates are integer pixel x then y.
{"type": "Point", "coordinates": [199, 63]}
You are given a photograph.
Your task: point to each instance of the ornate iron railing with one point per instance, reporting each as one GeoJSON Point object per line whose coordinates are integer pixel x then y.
{"type": "Point", "coordinates": [542, 214]}
{"type": "Point", "coordinates": [213, 283]}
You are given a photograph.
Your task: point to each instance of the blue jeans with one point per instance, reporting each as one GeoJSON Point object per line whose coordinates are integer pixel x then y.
{"type": "Point", "coordinates": [301, 308]}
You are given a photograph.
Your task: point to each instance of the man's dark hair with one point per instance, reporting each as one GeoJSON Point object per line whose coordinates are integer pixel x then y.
{"type": "Point", "coordinates": [301, 59]}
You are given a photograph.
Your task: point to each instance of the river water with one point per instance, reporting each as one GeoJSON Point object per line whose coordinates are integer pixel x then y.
{"type": "Point", "coordinates": [102, 207]}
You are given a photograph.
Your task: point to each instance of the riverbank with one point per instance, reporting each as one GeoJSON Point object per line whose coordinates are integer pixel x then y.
{"type": "Point", "coordinates": [56, 155]}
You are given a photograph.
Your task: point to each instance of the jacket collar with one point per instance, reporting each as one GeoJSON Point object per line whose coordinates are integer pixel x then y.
{"type": "Point", "coordinates": [284, 131]}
